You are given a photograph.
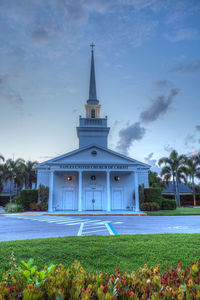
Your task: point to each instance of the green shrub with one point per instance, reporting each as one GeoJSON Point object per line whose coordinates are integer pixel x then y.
{"type": "Point", "coordinates": [43, 194]}
{"type": "Point", "coordinates": [4, 200]}
{"type": "Point", "coordinates": [12, 208]}
{"type": "Point", "coordinates": [153, 195]}
{"type": "Point", "coordinates": [38, 207]}
{"type": "Point", "coordinates": [150, 206]}
{"type": "Point", "coordinates": [141, 193]}
{"type": "Point", "coordinates": [186, 200]}
{"type": "Point", "coordinates": [26, 197]}
{"type": "Point", "coordinates": [168, 204]}
{"type": "Point", "coordinates": [58, 283]}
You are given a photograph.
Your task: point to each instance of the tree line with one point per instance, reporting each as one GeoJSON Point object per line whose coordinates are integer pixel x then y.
{"type": "Point", "coordinates": [19, 172]}
{"type": "Point", "coordinates": [177, 168]}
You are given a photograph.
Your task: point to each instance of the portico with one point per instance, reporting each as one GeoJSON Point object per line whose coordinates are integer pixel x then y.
{"type": "Point", "coordinates": [89, 185]}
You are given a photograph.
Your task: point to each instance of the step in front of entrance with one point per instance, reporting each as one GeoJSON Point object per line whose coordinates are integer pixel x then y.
{"type": "Point", "coordinates": [95, 213]}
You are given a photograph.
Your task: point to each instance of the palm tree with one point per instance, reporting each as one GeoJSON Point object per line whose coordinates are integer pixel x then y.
{"type": "Point", "coordinates": [13, 171]}
{"type": "Point", "coordinates": [173, 170]}
{"type": "Point", "coordinates": [30, 173]}
{"type": "Point", "coordinates": [1, 157]}
{"type": "Point", "coordinates": [192, 170]}
{"type": "Point", "coordinates": [155, 180]}
{"type": "Point", "coordinates": [1, 172]}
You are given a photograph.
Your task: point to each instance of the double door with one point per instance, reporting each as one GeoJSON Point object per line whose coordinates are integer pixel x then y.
{"type": "Point", "coordinates": [93, 199]}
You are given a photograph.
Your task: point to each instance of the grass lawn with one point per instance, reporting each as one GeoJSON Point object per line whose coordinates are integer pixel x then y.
{"type": "Point", "coordinates": [178, 212]}
{"type": "Point", "coordinates": [106, 253]}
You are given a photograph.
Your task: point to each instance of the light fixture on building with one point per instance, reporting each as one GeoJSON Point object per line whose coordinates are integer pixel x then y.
{"type": "Point", "coordinates": [69, 178]}
{"type": "Point", "coordinates": [93, 177]}
{"type": "Point", "coordinates": [117, 178]}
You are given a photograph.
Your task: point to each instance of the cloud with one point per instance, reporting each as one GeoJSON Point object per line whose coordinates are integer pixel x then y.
{"type": "Point", "coordinates": [187, 67]}
{"type": "Point", "coordinates": [198, 127]}
{"type": "Point", "coordinates": [128, 135]}
{"type": "Point", "coordinates": [189, 140]}
{"type": "Point", "coordinates": [159, 106]}
{"type": "Point", "coordinates": [168, 148]}
{"type": "Point", "coordinates": [182, 35]}
{"type": "Point", "coordinates": [152, 162]}
{"type": "Point", "coordinates": [7, 94]}
{"type": "Point", "coordinates": [40, 35]}
{"type": "Point", "coordinates": [163, 84]}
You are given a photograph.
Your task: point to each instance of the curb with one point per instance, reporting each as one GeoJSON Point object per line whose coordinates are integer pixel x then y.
{"type": "Point", "coordinates": [143, 214]}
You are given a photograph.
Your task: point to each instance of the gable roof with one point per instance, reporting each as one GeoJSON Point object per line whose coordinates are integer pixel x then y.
{"type": "Point", "coordinates": [183, 189]}
{"type": "Point", "coordinates": [121, 156]}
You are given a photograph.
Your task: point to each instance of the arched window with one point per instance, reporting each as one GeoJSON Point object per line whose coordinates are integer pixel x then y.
{"type": "Point", "coordinates": [92, 113]}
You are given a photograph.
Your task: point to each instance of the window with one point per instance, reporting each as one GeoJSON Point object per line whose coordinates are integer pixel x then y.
{"type": "Point", "coordinates": [93, 113]}
{"type": "Point", "coordinates": [94, 153]}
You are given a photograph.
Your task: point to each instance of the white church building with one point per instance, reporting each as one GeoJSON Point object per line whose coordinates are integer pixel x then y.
{"type": "Point", "coordinates": [93, 177]}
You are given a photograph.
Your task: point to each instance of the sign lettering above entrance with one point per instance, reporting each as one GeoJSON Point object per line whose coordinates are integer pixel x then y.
{"type": "Point", "coordinates": [93, 167]}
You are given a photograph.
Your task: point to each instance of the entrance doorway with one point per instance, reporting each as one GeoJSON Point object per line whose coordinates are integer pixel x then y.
{"type": "Point", "coordinates": [117, 198]}
{"type": "Point", "coordinates": [93, 199]}
{"type": "Point", "coordinates": [68, 199]}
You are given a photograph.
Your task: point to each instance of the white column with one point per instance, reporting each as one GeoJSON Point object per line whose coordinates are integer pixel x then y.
{"type": "Point", "coordinates": [108, 189]}
{"type": "Point", "coordinates": [51, 180]}
{"type": "Point", "coordinates": [80, 191]}
{"type": "Point", "coordinates": [137, 206]}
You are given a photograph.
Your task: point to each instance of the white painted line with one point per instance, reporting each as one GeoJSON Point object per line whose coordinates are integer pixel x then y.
{"type": "Point", "coordinates": [91, 224]}
{"type": "Point", "coordinates": [102, 226]}
{"type": "Point", "coordinates": [118, 222]}
{"type": "Point", "coordinates": [109, 229]}
{"type": "Point", "coordinates": [94, 231]}
{"type": "Point", "coordinates": [71, 222]}
{"type": "Point", "coordinates": [80, 229]}
{"type": "Point", "coordinates": [91, 221]}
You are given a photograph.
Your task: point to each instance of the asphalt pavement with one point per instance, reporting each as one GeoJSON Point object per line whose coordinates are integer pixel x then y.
{"type": "Point", "coordinates": [20, 226]}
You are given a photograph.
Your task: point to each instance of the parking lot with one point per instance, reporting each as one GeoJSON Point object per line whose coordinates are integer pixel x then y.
{"type": "Point", "coordinates": [20, 226]}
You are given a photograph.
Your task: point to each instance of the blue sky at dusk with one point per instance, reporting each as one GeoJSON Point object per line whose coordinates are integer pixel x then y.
{"type": "Point", "coordinates": [147, 60]}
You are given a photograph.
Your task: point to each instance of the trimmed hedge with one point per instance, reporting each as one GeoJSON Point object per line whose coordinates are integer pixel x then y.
{"type": "Point", "coordinates": [13, 208]}
{"type": "Point", "coordinates": [150, 206]}
{"type": "Point", "coordinates": [153, 195]}
{"type": "Point", "coordinates": [168, 204]}
{"type": "Point", "coordinates": [38, 207]}
{"type": "Point", "coordinates": [27, 197]}
{"type": "Point", "coordinates": [186, 200]}
{"type": "Point", "coordinates": [57, 282]}
{"type": "Point", "coordinates": [4, 200]}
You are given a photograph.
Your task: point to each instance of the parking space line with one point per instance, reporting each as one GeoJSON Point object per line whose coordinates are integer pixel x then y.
{"type": "Point", "coordinates": [93, 227]}
{"type": "Point", "coordinates": [80, 230]}
{"type": "Point", "coordinates": [92, 231]}
{"type": "Point", "coordinates": [114, 232]}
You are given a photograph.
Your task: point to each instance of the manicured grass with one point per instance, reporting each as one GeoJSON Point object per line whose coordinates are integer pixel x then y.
{"type": "Point", "coordinates": [106, 253]}
{"type": "Point", "coordinates": [182, 211]}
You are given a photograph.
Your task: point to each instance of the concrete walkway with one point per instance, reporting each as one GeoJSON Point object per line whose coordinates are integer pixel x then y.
{"type": "Point", "coordinates": [85, 213]}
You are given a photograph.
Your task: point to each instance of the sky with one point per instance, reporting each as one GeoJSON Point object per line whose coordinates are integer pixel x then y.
{"type": "Point", "coordinates": [147, 63]}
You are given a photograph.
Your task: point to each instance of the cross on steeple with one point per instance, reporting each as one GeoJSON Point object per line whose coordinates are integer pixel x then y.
{"type": "Point", "coordinates": [92, 45]}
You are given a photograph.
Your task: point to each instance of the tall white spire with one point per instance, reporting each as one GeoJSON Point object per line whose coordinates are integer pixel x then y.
{"type": "Point", "coordinates": [92, 89]}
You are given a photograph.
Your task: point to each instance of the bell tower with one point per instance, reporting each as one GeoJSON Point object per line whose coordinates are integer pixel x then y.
{"type": "Point", "coordinates": [92, 129]}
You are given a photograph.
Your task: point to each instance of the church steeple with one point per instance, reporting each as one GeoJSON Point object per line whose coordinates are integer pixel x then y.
{"type": "Point", "coordinates": [92, 90]}
{"type": "Point", "coordinates": [92, 108]}
{"type": "Point", "coordinates": [92, 129]}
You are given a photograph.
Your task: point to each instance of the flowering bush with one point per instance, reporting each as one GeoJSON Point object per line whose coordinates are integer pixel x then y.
{"type": "Point", "coordinates": [57, 282]}
{"type": "Point", "coordinates": [150, 206]}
